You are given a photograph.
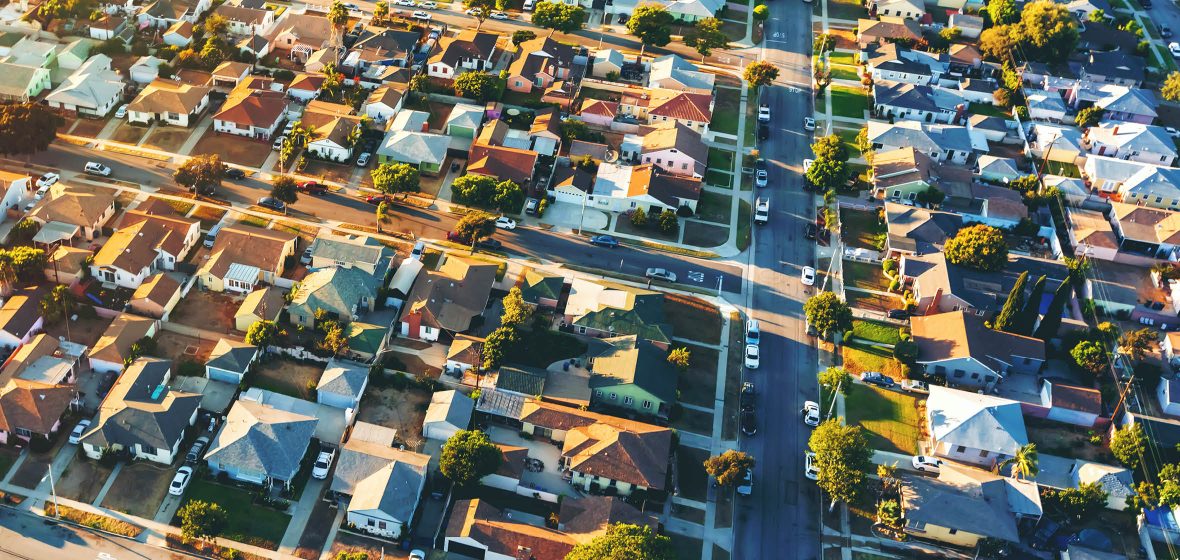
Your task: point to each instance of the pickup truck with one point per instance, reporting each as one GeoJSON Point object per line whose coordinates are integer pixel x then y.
{"type": "Point", "coordinates": [312, 187]}
{"type": "Point", "coordinates": [762, 211]}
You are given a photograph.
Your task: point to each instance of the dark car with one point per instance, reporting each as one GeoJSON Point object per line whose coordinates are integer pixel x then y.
{"type": "Point", "coordinates": [378, 199]}
{"type": "Point", "coordinates": [312, 187]}
{"type": "Point", "coordinates": [899, 314]}
{"type": "Point", "coordinates": [749, 423]}
{"type": "Point", "coordinates": [811, 230]}
{"type": "Point", "coordinates": [604, 241]}
{"type": "Point", "coordinates": [748, 396]}
{"type": "Point", "coordinates": [1165, 32]}
{"type": "Point", "coordinates": [235, 173]}
{"type": "Point", "coordinates": [194, 454]}
{"type": "Point", "coordinates": [1146, 4]}
{"type": "Point", "coordinates": [272, 203]}
{"type": "Point", "coordinates": [760, 165]}
{"type": "Point", "coordinates": [763, 131]}
{"type": "Point", "coordinates": [489, 243]}
{"type": "Point", "coordinates": [877, 378]}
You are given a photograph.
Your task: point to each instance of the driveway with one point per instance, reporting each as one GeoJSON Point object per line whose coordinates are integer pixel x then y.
{"type": "Point", "coordinates": [568, 215]}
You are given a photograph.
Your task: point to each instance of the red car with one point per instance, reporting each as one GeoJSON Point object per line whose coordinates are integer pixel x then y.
{"type": "Point", "coordinates": [312, 187]}
{"type": "Point", "coordinates": [378, 199]}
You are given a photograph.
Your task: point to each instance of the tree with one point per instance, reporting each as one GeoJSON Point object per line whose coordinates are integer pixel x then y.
{"type": "Point", "coordinates": [1003, 12]}
{"type": "Point", "coordinates": [827, 174]}
{"type": "Point", "coordinates": [573, 129]}
{"type": "Point", "coordinates": [24, 231]}
{"type": "Point", "coordinates": [705, 36]}
{"type": "Point", "coordinates": [475, 226]}
{"type": "Point", "coordinates": [680, 357]}
{"type": "Point", "coordinates": [508, 196]}
{"type": "Point", "coordinates": [474, 190]}
{"type": "Point", "coordinates": [1090, 356]}
{"type": "Point", "coordinates": [1088, 117]}
{"type": "Point", "coordinates": [57, 304]}
{"type": "Point", "coordinates": [652, 24]}
{"type": "Point", "coordinates": [1137, 343]}
{"type": "Point", "coordinates": [761, 12]}
{"type": "Point", "coordinates": [261, 333]}
{"type": "Point", "coordinates": [830, 147]}
{"type": "Point", "coordinates": [335, 339]}
{"type": "Point", "coordinates": [516, 311]}
{"type": "Point", "coordinates": [558, 16]}
{"type": "Point", "coordinates": [1032, 309]}
{"type": "Point", "coordinates": [729, 467]}
{"type": "Point", "coordinates": [496, 345]}
{"type": "Point", "coordinates": [468, 456]}
{"type": "Point", "coordinates": [1025, 464]}
{"type": "Point", "coordinates": [823, 43]}
{"type": "Point", "coordinates": [997, 41]}
{"type": "Point", "coordinates": [836, 379]}
{"type": "Point", "coordinates": [380, 11]}
{"type": "Point", "coordinates": [760, 73]}
{"type": "Point", "coordinates": [889, 513]}
{"type": "Point", "coordinates": [284, 188]}
{"type": "Point", "coordinates": [668, 222]}
{"type": "Point", "coordinates": [1096, 16]}
{"type": "Point", "coordinates": [338, 15]}
{"type": "Point", "coordinates": [950, 34]}
{"type": "Point", "coordinates": [521, 35]}
{"type": "Point", "coordinates": [1009, 315]}
{"type": "Point", "coordinates": [842, 458]}
{"type": "Point", "coordinates": [1171, 89]}
{"type": "Point", "coordinates": [202, 174]}
{"type": "Point", "coordinates": [980, 246]}
{"type": "Point", "coordinates": [484, 9]}
{"type": "Point", "coordinates": [1079, 504]}
{"type": "Point", "coordinates": [396, 178]}
{"type": "Point", "coordinates": [1078, 269]}
{"type": "Point", "coordinates": [906, 351]}
{"type": "Point", "coordinates": [826, 313]}
{"type": "Point", "coordinates": [1002, 97]}
{"type": "Point", "coordinates": [931, 196]}
{"type": "Point", "coordinates": [26, 262]}
{"type": "Point", "coordinates": [202, 520]}
{"type": "Point", "coordinates": [27, 128]}
{"type": "Point", "coordinates": [625, 542]}
{"type": "Point", "coordinates": [1048, 31]}
{"type": "Point", "coordinates": [1128, 445]}
{"type": "Point", "coordinates": [214, 52]}
{"type": "Point", "coordinates": [639, 218]}
{"type": "Point", "coordinates": [475, 85]}
{"type": "Point", "coordinates": [382, 212]}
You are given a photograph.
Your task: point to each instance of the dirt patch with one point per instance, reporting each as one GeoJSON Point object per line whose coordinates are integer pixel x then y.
{"type": "Point", "coordinates": [698, 384]}
{"type": "Point", "coordinates": [82, 331]}
{"type": "Point", "coordinates": [129, 133]}
{"type": "Point", "coordinates": [1056, 438]}
{"type": "Point", "coordinates": [139, 489]}
{"type": "Point", "coordinates": [327, 171]}
{"type": "Point", "coordinates": [311, 542]}
{"type": "Point", "coordinates": [285, 376]}
{"type": "Point", "coordinates": [402, 410]}
{"type": "Point", "coordinates": [82, 480]}
{"type": "Point", "coordinates": [88, 127]}
{"type": "Point", "coordinates": [182, 348]}
{"type": "Point", "coordinates": [234, 149]}
{"type": "Point", "coordinates": [700, 234]}
{"type": "Point", "coordinates": [350, 542]}
{"type": "Point", "coordinates": [211, 311]}
{"type": "Point", "coordinates": [167, 139]}
{"type": "Point", "coordinates": [36, 465]}
{"type": "Point", "coordinates": [693, 318]}
{"type": "Point", "coordinates": [208, 215]}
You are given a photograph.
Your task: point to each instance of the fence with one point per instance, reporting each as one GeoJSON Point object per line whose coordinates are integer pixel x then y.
{"type": "Point", "coordinates": [203, 334]}
{"type": "Point", "coordinates": [299, 353]}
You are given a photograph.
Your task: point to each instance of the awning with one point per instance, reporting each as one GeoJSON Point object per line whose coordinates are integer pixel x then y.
{"type": "Point", "coordinates": [243, 274]}
{"type": "Point", "coordinates": [55, 232]}
{"type": "Point", "coordinates": [403, 279]}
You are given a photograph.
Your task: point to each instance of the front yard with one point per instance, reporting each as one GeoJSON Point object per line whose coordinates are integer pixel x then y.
{"type": "Point", "coordinates": [234, 149]}
{"type": "Point", "coordinates": [714, 207]}
{"type": "Point", "coordinates": [726, 109]}
{"type": "Point", "coordinates": [698, 384]}
{"type": "Point", "coordinates": [874, 331]}
{"type": "Point", "coordinates": [701, 234]}
{"type": "Point", "coordinates": [860, 357]}
{"type": "Point", "coordinates": [246, 522]}
{"type": "Point", "coordinates": [890, 419]}
{"type": "Point", "coordinates": [868, 276]}
{"type": "Point", "coordinates": [82, 479]}
{"type": "Point", "coordinates": [139, 489]}
{"type": "Point", "coordinates": [693, 480]}
{"type": "Point", "coordinates": [849, 102]}
{"type": "Point", "coordinates": [692, 318]}
{"type": "Point", "coordinates": [861, 229]}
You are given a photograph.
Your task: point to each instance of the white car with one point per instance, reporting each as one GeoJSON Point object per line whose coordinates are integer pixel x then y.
{"type": "Point", "coordinates": [752, 356]}
{"type": "Point", "coordinates": [184, 475]}
{"type": "Point", "coordinates": [474, 12]}
{"type": "Point", "coordinates": [428, 5]}
{"type": "Point", "coordinates": [808, 276]}
{"type": "Point", "coordinates": [95, 168]}
{"type": "Point", "coordinates": [48, 180]}
{"type": "Point", "coordinates": [406, 3]}
{"type": "Point", "coordinates": [660, 274]}
{"type": "Point", "coordinates": [363, 159]}
{"type": "Point", "coordinates": [1175, 48]}
{"type": "Point", "coordinates": [417, 555]}
{"type": "Point", "coordinates": [809, 468]}
{"type": "Point", "coordinates": [764, 113]}
{"type": "Point", "coordinates": [80, 429]}
{"type": "Point", "coordinates": [746, 486]}
{"type": "Point", "coordinates": [807, 163]}
{"type": "Point", "coordinates": [504, 222]}
{"type": "Point", "coordinates": [421, 15]}
{"type": "Point", "coordinates": [810, 413]}
{"type": "Point", "coordinates": [761, 178]}
{"type": "Point", "coordinates": [761, 210]}
{"type": "Point", "coordinates": [121, 112]}
{"type": "Point", "coordinates": [808, 123]}
{"type": "Point", "coordinates": [498, 15]}
{"type": "Point", "coordinates": [926, 464]}
{"type": "Point", "coordinates": [915, 386]}
{"type": "Point", "coordinates": [319, 470]}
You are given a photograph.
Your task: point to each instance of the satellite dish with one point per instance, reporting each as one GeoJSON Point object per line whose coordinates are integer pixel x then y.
{"type": "Point", "coordinates": [513, 112]}
{"type": "Point", "coordinates": [611, 156]}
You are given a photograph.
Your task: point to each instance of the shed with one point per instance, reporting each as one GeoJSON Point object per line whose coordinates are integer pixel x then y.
{"type": "Point", "coordinates": [230, 360]}
{"type": "Point", "coordinates": [342, 384]}
{"type": "Point", "coordinates": [1070, 403]}
{"type": "Point", "coordinates": [449, 412]}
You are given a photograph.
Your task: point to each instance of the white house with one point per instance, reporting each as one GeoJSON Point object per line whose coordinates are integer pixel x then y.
{"type": "Point", "coordinates": [619, 188]}
{"type": "Point", "coordinates": [379, 484]}
{"type": "Point", "coordinates": [15, 187]}
{"type": "Point", "coordinates": [383, 103]}
{"type": "Point", "coordinates": [20, 317]}
{"type": "Point", "coordinates": [1168, 394]}
{"type": "Point", "coordinates": [449, 412]}
{"type": "Point", "coordinates": [145, 70]}
{"type": "Point", "coordinates": [471, 50]}
{"type": "Point", "coordinates": [908, 9]}
{"type": "Point", "coordinates": [230, 361]}
{"type": "Point", "coordinates": [973, 428]}
{"type": "Point", "coordinates": [180, 34]}
{"type": "Point", "coordinates": [1131, 141]}
{"type": "Point", "coordinates": [334, 126]}
{"type": "Point", "coordinates": [142, 245]}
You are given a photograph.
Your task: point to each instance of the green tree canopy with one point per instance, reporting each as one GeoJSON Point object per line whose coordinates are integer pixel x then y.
{"type": "Point", "coordinates": [1032, 309]}
{"type": "Point", "coordinates": [842, 459]}
{"type": "Point", "coordinates": [1025, 464]}
{"type": "Point", "coordinates": [202, 173]}
{"type": "Point", "coordinates": [468, 456]}
{"type": "Point", "coordinates": [261, 333]}
{"type": "Point", "coordinates": [729, 467]}
{"type": "Point", "coordinates": [1128, 445]}
{"type": "Point", "coordinates": [1090, 356]}
{"type": "Point", "coordinates": [202, 520]}
{"type": "Point", "coordinates": [396, 178]}
{"type": "Point", "coordinates": [474, 190]}
{"type": "Point", "coordinates": [559, 16]}
{"type": "Point", "coordinates": [760, 73]}
{"type": "Point", "coordinates": [1088, 117]}
{"type": "Point", "coordinates": [997, 41]}
{"type": "Point", "coordinates": [836, 378]}
{"type": "Point", "coordinates": [1048, 30]}
{"type": "Point", "coordinates": [57, 304]}
{"type": "Point", "coordinates": [827, 313]}
{"type": "Point", "coordinates": [1137, 343]}
{"type": "Point", "coordinates": [497, 345]}
{"type": "Point", "coordinates": [1008, 317]}
{"type": "Point", "coordinates": [516, 311]}
{"type": "Point", "coordinates": [484, 7]}
{"type": "Point", "coordinates": [980, 246]}
{"type": "Point", "coordinates": [680, 357]}
{"type": "Point", "coordinates": [474, 226]}
{"type": "Point", "coordinates": [1080, 504]}
{"type": "Point", "coordinates": [475, 85]}
{"type": "Point", "coordinates": [27, 128]}
{"type": "Point", "coordinates": [521, 35]}
{"type": "Point", "coordinates": [625, 542]}
{"type": "Point", "coordinates": [284, 188]}
{"type": "Point", "coordinates": [1003, 11]}
{"type": "Point", "coordinates": [652, 24]}
{"type": "Point", "coordinates": [705, 36]}
{"type": "Point", "coordinates": [1171, 89]}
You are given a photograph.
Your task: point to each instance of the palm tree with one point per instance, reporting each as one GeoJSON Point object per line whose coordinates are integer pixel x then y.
{"type": "Point", "coordinates": [1025, 464]}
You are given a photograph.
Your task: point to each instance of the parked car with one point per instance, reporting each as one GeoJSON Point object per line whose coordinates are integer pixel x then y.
{"type": "Point", "coordinates": [748, 396]}
{"type": "Point", "coordinates": [427, 5]}
{"type": "Point", "coordinates": [761, 210]}
{"type": "Point", "coordinates": [489, 243]}
{"type": "Point", "coordinates": [809, 468]}
{"type": "Point", "coordinates": [121, 112]}
{"type": "Point", "coordinates": [319, 470]}
{"type": "Point", "coordinates": [810, 413]}
{"type": "Point", "coordinates": [363, 159]}
{"type": "Point", "coordinates": [808, 123]}
{"type": "Point", "coordinates": [761, 178]}
{"type": "Point", "coordinates": [406, 3]}
{"type": "Point", "coordinates": [306, 258]}
{"type": "Point", "coordinates": [899, 314]}
{"type": "Point", "coordinates": [378, 199]}
{"type": "Point", "coordinates": [763, 131]}
{"type": "Point", "coordinates": [504, 222]}
{"type": "Point", "coordinates": [421, 15]}
{"type": "Point", "coordinates": [1165, 32]}
{"type": "Point", "coordinates": [753, 332]}
{"type": "Point", "coordinates": [313, 188]}
{"type": "Point", "coordinates": [752, 356]}
{"type": "Point", "coordinates": [48, 180]}
{"type": "Point", "coordinates": [749, 423]}
{"type": "Point", "coordinates": [80, 429]}
{"type": "Point", "coordinates": [273, 204]}
{"type": "Point", "coordinates": [926, 464]}
{"type": "Point", "coordinates": [915, 386]}
{"type": "Point", "coordinates": [95, 168]}
{"type": "Point", "coordinates": [808, 276]}
{"type": "Point", "coordinates": [1175, 48]}
{"type": "Point", "coordinates": [474, 12]}
{"type": "Point", "coordinates": [194, 453]}
{"type": "Point", "coordinates": [877, 378]}
{"type": "Point", "coordinates": [530, 206]}
{"type": "Point", "coordinates": [498, 15]}
{"type": "Point", "coordinates": [235, 173]}
{"type": "Point", "coordinates": [764, 113]}
{"type": "Point", "coordinates": [660, 274]}
{"type": "Point", "coordinates": [278, 143]}
{"type": "Point", "coordinates": [604, 241]}
{"type": "Point", "coordinates": [184, 475]}
{"type": "Point", "coordinates": [745, 487]}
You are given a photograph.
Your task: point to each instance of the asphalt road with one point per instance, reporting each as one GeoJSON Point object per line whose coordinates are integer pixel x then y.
{"type": "Point", "coordinates": [780, 520]}
{"type": "Point", "coordinates": [526, 242]}
{"type": "Point", "coordinates": [24, 536]}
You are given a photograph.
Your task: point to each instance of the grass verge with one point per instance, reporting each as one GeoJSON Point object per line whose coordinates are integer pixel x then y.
{"type": "Point", "coordinates": [93, 520]}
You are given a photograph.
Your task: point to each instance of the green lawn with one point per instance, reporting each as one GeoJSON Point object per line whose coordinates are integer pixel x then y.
{"type": "Point", "coordinates": [248, 523]}
{"type": "Point", "coordinates": [720, 159]}
{"type": "Point", "coordinates": [868, 276]}
{"type": "Point", "coordinates": [848, 138]}
{"type": "Point", "coordinates": [715, 207]}
{"type": "Point", "coordinates": [849, 102]}
{"type": "Point", "coordinates": [842, 72]}
{"type": "Point", "coordinates": [845, 58]}
{"type": "Point", "coordinates": [860, 357]}
{"type": "Point", "coordinates": [1062, 168]}
{"type": "Point", "coordinates": [719, 178]}
{"type": "Point", "coordinates": [860, 228]}
{"type": "Point", "coordinates": [693, 318]}
{"type": "Point", "coordinates": [539, 348]}
{"type": "Point", "coordinates": [846, 9]}
{"type": "Point", "coordinates": [693, 480]}
{"type": "Point", "coordinates": [726, 110]}
{"type": "Point", "coordinates": [987, 110]}
{"type": "Point", "coordinates": [890, 418]}
{"type": "Point", "coordinates": [883, 333]}
{"type": "Point", "coordinates": [821, 103]}
{"type": "Point", "coordinates": [743, 232]}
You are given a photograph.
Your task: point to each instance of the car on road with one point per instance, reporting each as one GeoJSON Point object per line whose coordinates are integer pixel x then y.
{"type": "Point", "coordinates": [745, 486]}
{"type": "Point", "coordinates": [752, 356]}
{"type": "Point", "coordinates": [80, 429]}
{"type": "Point", "coordinates": [351, 7]}
{"type": "Point", "coordinates": [498, 15]}
{"type": "Point", "coordinates": [378, 199]}
{"type": "Point", "coordinates": [95, 168]}
{"type": "Point", "coordinates": [899, 314]}
{"type": "Point", "coordinates": [753, 331]}
{"type": "Point", "coordinates": [809, 468]}
{"type": "Point", "coordinates": [194, 453]}
{"type": "Point", "coordinates": [474, 12]}
{"type": "Point", "coordinates": [363, 159]}
{"type": "Point", "coordinates": [915, 386]}
{"type": "Point", "coordinates": [761, 178]}
{"type": "Point", "coordinates": [763, 131]}
{"type": "Point", "coordinates": [184, 475]}
{"type": "Point", "coordinates": [749, 423]}
{"type": "Point", "coordinates": [48, 180]}
{"type": "Point", "coordinates": [121, 112]}
{"type": "Point", "coordinates": [235, 173]}
{"type": "Point", "coordinates": [428, 5]}
{"type": "Point", "coordinates": [764, 113]}
{"type": "Point", "coordinates": [1165, 32]}
{"type": "Point", "coordinates": [490, 244]}
{"type": "Point", "coordinates": [604, 241]}
{"type": "Point", "coordinates": [810, 413]}
{"type": "Point", "coordinates": [810, 230]}
{"type": "Point", "coordinates": [273, 204]}
{"type": "Point", "coordinates": [419, 14]}
{"type": "Point", "coordinates": [761, 210]}
{"type": "Point", "coordinates": [504, 222]}
{"type": "Point", "coordinates": [312, 187]}
{"type": "Point", "coordinates": [808, 276]}
{"type": "Point", "coordinates": [808, 123]}
{"type": "Point", "coordinates": [660, 274]}
{"type": "Point", "coordinates": [926, 464]}
{"type": "Point", "coordinates": [319, 470]}
{"type": "Point", "coordinates": [760, 164]}
{"type": "Point", "coordinates": [748, 396]}
{"type": "Point", "coordinates": [406, 3]}
{"type": "Point", "coordinates": [877, 378]}
{"type": "Point", "coordinates": [1172, 132]}
{"type": "Point", "coordinates": [807, 163]}
{"type": "Point", "coordinates": [1175, 48]}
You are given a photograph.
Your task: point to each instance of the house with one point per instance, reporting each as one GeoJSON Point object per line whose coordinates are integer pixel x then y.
{"type": "Point", "coordinates": [677, 149]}
{"type": "Point", "coordinates": [904, 173]}
{"type": "Point", "coordinates": [449, 413]}
{"type": "Point", "coordinates": [464, 353]}
{"type": "Point", "coordinates": [1092, 234]}
{"type": "Point", "coordinates": [964, 506]}
{"type": "Point", "coordinates": [598, 112]}
{"type": "Point", "coordinates": [263, 304]}
{"type": "Point", "coordinates": [541, 289]}
{"type": "Point", "coordinates": [908, 9]}
{"type": "Point", "coordinates": [71, 56]}
{"type": "Point", "coordinates": [918, 231]}
{"type": "Point", "coordinates": [478, 529]}
{"type": "Point", "coordinates": [1132, 141]}
{"type": "Point", "coordinates": [230, 361]}
{"type": "Point", "coordinates": [1071, 404]}
{"type": "Point", "coordinates": [542, 61]}
{"type": "Point", "coordinates": [970, 25]}
{"type": "Point", "coordinates": [244, 21]}
{"type": "Point", "coordinates": [672, 72]}
{"type": "Point", "coordinates": [108, 27]}
{"type": "Point", "coordinates": [993, 205]}
{"type": "Point", "coordinates": [447, 299]}
{"type": "Point", "coordinates": [383, 103]}
{"type": "Point", "coordinates": [995, 169]}
{"type": "Point", "coordinates": [251, 113]}
{"type": "Point", "coordinates": [336, 130]}
{"type": "Point", "coordinates": [305, 87]}
{"type": "Point", "coordinates": [242, 256]}
{"type": "Point", "coordinates": [170, 102]}
{"type": "Point", "coordinates": [260, 444]}
{"type": "Point", "coordinates": [607, 63]}
{"type": "Point", "coordinates": [156, 296]}
{"type": "Point", "coordinates": [302, 34]}
{"type": "Point", "coordinates": [1073, 189]}
{"type": "Point", "coordinates": [633, 374]}
{"type": "Point", "coordinates": [93, 89]}
{"type": "Point", "coordinates": [1046, 106]}
{"type": "Point", "coordinates": [114, 346]}
{"type": "Point", "coordinates": [619, 188]}
{"type": "Point", "coordinates": [694, 110]}
{"type": "Point", "coordinates": [14, 189]}
{"type": "Point", "coordinates": [1063, 473]}
{"type": "Point", "coordinates": [21, 317]}
{"type": "Point", "coordinates": [1168, 394]}
{"type": "Point", "coordinates": [342, 384]}
{"type": "Point", "coordinates": [1135, 183]}
{"type": "Point", "coordinates": [1170, 346]}
{"type": "Point", "coordinates": [20, 83]}
{"type": "Point", "coordinates": [601, 451]}
{"type": "Point", "coordinates": [382, 485]}
{"type": "Point", "coordinates": [141, 417]}
{"type": "Point", "coordinates": [161, 14]}
{"type": "Point", "coordinates": [465, 121]}
{"type": "Point", "coordinates": [470, 50]}
{"type": "Point", "coordinates": [377, 48]}
{"type": "Point", "coordinates": [939, 141]}
{"type": "Point", "coordinates": [254, 46]}
{"type": "Point", "coordinates": [229, 74]}
{"type": "Point", "coordinates": [1146, 231]}
{"type": "Point", "coordinates": [86, 209]}
{"type": "Point", "coordinates": [365, 341]}
{"type": "Point", "coordinates": [895, 63]}
{"type": "Point", "coordinates": [180, 34]}
{"type": "Point", "coordinates": [408, 142]}
{"type": "Point", "coordinates": [605, 309]}
{"type": "Point", "coordinates": [1056, 142]}
{"type": "Point", "coordinates": [502, 163]}
{"type": "Point", "coordinates": [959, 347]}
{"type": "Point", "coordinates": [341, 291]}
{"type": "Point", "coordinates": [886, 29]}
{"type": "Point", "coordinates": [1083, 8]}
{"type": "Point", "coordinates": [917, 102]}
{"type": "Point", "coordinates": [37, 386]}
{"type": "Point", "coordinates": [544, 133]}
{"type": "Point", "coordinates": [973, 428]}
{"type": "Point", "coordinates": [1118, 68]}
{"type": "Point", "coordinates": [1127, 104]}
{"type": "Point", "coordinates": [694, 10]}
{"type": "Point", "coordinates": [145, 70]}
{"type": "Point", "coordinates": [351, 251]}
{"type": "Point", "coordinates": [144, 244]}
{"type": "Point", "coordinates": [67, 265]}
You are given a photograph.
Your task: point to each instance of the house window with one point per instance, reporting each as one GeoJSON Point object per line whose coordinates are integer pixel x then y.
{"type": "Point", "coordinates": [23, 432]}
{"type": "Point", "coordinates": [647, 404]}
{"type": "Point", "coordinates": [961, 449]}
{"type": "Point", "coordinates": [597, 394]}
{"type": "Point", "coordinates": [983, 453]}
{"type": "Point", "coordinates": [1159, 199]}
{"type": "Point", "coordinates": [684, 166]}
{"type": "Point", "coordinates": [613, 483]}
{"type": "Point", "coordinates": [646, 159]}
{"type": "Point", "coordinates": [613, 396]}
{"type": "Point", "coordinates": [659, 160]}
{"type": "Point", "coordinates": [372, 523]}
{"type": "Point", "coordinates": [941, 370]}
{"type": "Point", "coordinates": [989, 378]}
{"type": "Point", "coordinates": [147, 449]}
{"type": "Point", "coordinates": [952, 531]}
{"type": "Point", "coordinates": [380, 524]}
{"type": "Point", "coordinates": [959, 373]}
{"type": "Point", "coordinates": [628, 401]}
{"type": "Point", "coordinates": [979, 312]}
{"type": "Point", "coordinates": [974, 375]}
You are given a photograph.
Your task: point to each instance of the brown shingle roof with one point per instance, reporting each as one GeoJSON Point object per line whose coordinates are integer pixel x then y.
{"type": "Point", "coordinates": [231, 69]}
{"type": "Point", "coordinates": [240, 14]}
{"type": "Point", "coordinates": [900, 166]}
{"type": "Point", "coordinates": [134, 246]}
{"type": "Point", "coordinates": [332, 121]}
{"type": "Point", "coordinates": [888, 27]}
{"type": "Point", "coordinates": [182, 28]}
{"type": "Point", "coordinates": [80, 206]}
{"type": "Point", "coordinates": [167, 96]}
{"type": "Point", "coordinates": [452, 296]}
{"type": "Point", "coordinates": [589, 516]}
{"type": "Point", "coordinates": [501, 162]}
{"type": "Point", "coordinates": [1073, 397]}
{"type": "Point", "coordinates": [157, 288]}
{"type": "Point", "coordinates": [531, 59]}
{"type": "Point", "coordinates": [36, 407]}
{"type": "Point", "coordinates": [116, 341]}
{"type": "Point", "coordinates": [957, 334]}
{"type": "Point", "coordinates": [677, 137]}
{"type": "Point", "coordinates": [248, 107]}
{"type": "Point", "coordinates": [487, 525]}
{"type": "Point", "coordinates": [21, 310]}
{"type": "Point", "coordinates": [468, 44]}
{"type": "Point", "coordinates": [248, 245]}
{"type": "Point", "coordinates": [1142, 223]}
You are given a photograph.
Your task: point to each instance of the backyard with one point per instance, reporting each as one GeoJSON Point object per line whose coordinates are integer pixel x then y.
{"type": "Point", "coordinates": [210, 311]}
{"type": "Point", "coordinates": [402, 409]}
{"type": "Point", "coordinates": [861, 229]}
{"type": "Point", "coordinates": [1056, 438]}
{"type": "Point", "coordinates": [726, 109]}
{"type": "Point", "coordinates": [246, 522]}
{"type": "Point", "coordinates": [849, 102]}
{"type": "Point", "coordinates": [868, 276]}
{"type": "Point", "coordinates": [698, 384]}
{"type": "Point", "coordinates": [890, 419]}
{"type": "Point", "coordinates": [285, 376]}
{"type": "Point", "coordinates": [542, 347]}
{"type": "Point", "coordinates": [988, 110]}
{"type": "Point", "coordinates": [693, 318]}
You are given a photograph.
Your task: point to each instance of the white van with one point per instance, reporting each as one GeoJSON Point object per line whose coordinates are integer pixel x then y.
{"type": "Point", "coordinates": [528, 5]}
{"type": "Point", "coordinates": [212, 236]}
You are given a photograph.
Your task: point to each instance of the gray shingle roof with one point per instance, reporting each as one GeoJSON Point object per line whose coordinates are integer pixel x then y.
{"type": "Point", "coordinates": [232, 356]}
{"type": "Point", "coordinates": [141, 410]}
{"type": "Point", "coordinates": [257, 438]}
{"type": "Point", "coordinates": [380, 478]}
{"type": "Point", "coordinates": [343, 378]}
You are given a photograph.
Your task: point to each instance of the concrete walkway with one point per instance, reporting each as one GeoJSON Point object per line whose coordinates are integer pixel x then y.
{"type": "Point", "coordinates": [326, 554]}
{"type": "Point", "coordinates": [106, 486]}
{"type": "Point", "coordinates": [311, 495]}
{"type": "Point", "coordinates": [57, 466]}
{"type": "Point", "coordinates": [191, 142]}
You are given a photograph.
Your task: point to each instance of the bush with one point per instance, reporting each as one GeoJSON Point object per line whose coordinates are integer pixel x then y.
{"type": "Point", "coordinates": [639, 218]}
{"type": "Point", "coordinates": [283, 74]}
{"type": "Point", "coordinates": [684, 211]}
